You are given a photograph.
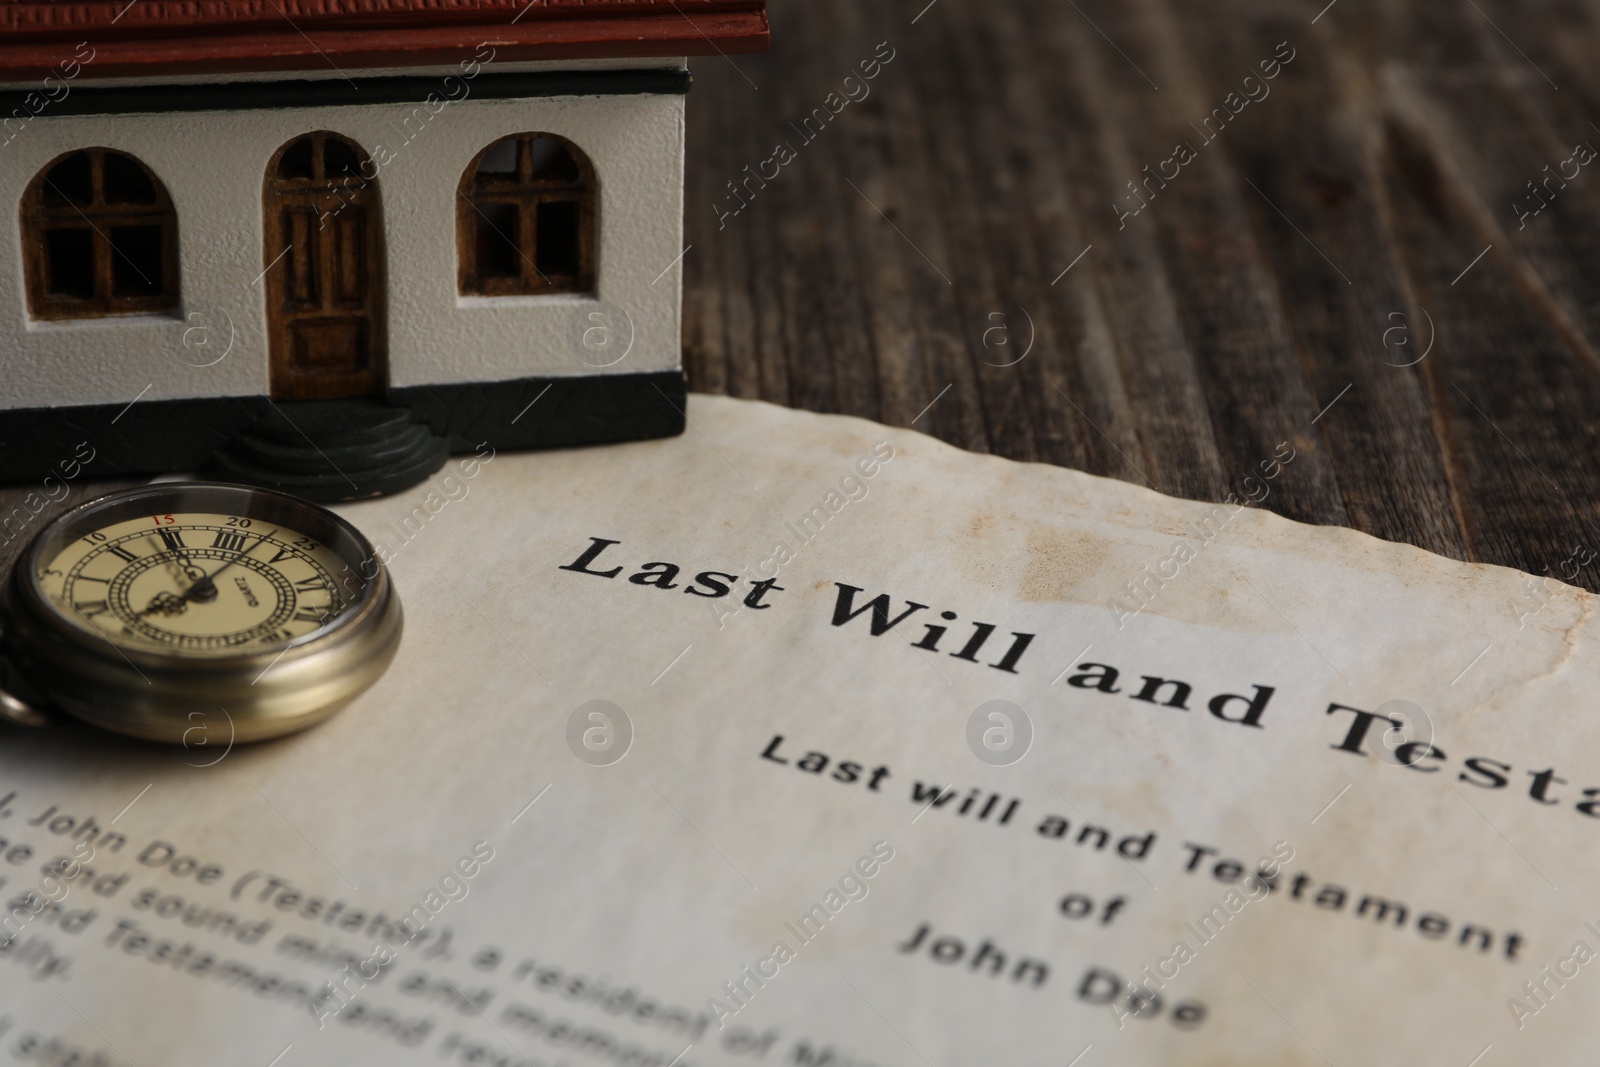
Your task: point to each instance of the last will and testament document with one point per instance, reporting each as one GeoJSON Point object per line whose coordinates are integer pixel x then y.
{"type": "Point", "coordinates": [798, 740]}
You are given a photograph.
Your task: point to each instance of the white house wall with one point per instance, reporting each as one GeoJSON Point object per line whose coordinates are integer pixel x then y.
{"type": "Point", "coordinates": [213, 164]}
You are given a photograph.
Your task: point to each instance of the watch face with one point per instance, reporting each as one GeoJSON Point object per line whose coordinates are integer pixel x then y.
{"type": "Point", "coordinates": [195, 583]}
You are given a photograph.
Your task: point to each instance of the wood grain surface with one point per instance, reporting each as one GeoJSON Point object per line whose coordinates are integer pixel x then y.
{"type": "Point", "coordinates": [1343, 265]}
{"type": "Point", "coordinates": [1363, 212]}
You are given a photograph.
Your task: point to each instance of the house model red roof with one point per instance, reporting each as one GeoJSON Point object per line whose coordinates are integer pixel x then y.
{"type": "Point", "coordinates": [175, 37]}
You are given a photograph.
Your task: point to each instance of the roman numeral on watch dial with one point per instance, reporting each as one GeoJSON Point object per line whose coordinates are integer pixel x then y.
{"type": "Point", "coordinates": [229, 540]}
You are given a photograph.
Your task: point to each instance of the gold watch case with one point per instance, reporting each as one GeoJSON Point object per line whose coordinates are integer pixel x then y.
{"type": "Point", "coordinates": [162, 695]}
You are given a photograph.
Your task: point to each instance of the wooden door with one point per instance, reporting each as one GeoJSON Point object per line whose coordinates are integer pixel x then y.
{"type": "Point", "coordinates": [324, 276]}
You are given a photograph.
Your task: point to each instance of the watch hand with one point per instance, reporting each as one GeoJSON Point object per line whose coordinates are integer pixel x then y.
{"type": "Point", "coordinates": [200, 587]}
{"type": "Point", "coordinates": [180, 557]}
{"type": "Point", "coordinates": [166, 603]}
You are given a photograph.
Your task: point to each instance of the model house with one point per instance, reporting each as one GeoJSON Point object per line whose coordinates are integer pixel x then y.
{"type": "Point", "coordinates": [321, 243]}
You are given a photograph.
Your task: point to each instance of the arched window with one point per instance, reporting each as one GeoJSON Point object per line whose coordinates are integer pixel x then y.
{"type": "Point", "coordinates": [525, 218]}
{"type": "Point", "coordinates": [100, 238]}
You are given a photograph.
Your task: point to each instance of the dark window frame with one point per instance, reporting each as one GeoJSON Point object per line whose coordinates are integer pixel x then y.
{"type": "Point", "coordinates": [42, 214]}
{"type": "Point", "coordinates": [478, 195]}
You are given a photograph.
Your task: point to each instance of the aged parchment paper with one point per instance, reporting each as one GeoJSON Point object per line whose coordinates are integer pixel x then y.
{"type": "Point", "coordinates": [801, 857]}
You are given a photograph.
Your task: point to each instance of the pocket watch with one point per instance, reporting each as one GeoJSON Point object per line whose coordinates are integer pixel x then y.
{"type": "Point", "coordinates": [159, 610]}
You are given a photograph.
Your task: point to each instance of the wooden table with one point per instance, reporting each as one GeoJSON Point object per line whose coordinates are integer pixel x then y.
{"type": "Point", "coordinates": [1340, 266]}
{"type": "Point", "coordinates": [1354, 263]}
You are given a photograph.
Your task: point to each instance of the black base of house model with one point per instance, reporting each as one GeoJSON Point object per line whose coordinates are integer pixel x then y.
{"type": "Point", "coordinates": [331, 450]}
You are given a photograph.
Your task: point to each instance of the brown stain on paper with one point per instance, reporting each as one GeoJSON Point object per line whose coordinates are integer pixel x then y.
{"type": "Point", "coordinates": [1061, 565]}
